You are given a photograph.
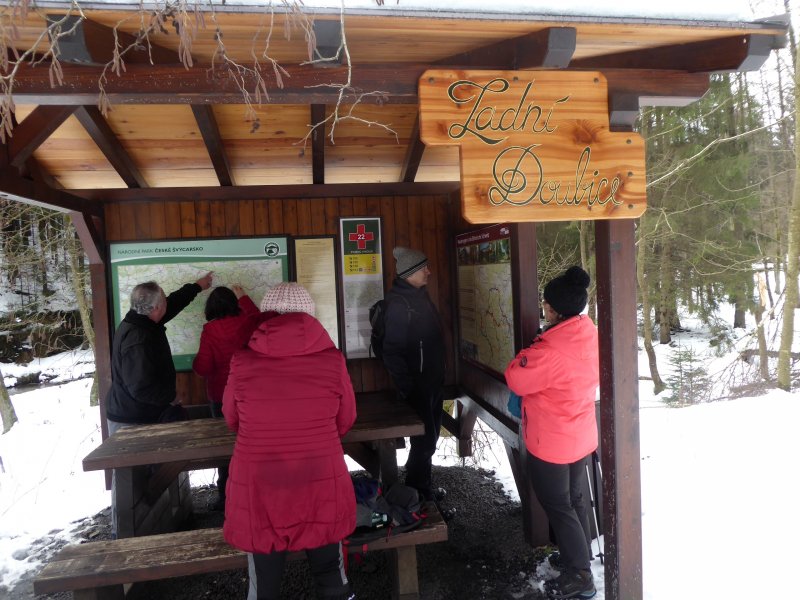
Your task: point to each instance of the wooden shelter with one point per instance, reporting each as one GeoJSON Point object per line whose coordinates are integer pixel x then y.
{"type": "Point", "coordinates": [177, 156]}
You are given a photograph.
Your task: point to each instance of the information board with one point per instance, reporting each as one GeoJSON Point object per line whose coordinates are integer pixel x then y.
{"type": "Point", "coordinates": [315, 265]}
{"type": "Point", "coordinates": [485, 297]}
{"type": "Point", "coordinates": [362, 280]}
{"type": "Point", "coordinates": [254, 263]}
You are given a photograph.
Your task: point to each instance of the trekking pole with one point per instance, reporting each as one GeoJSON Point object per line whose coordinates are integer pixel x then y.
{"type": "Point", "coordinates": [594, 515]}
{"type": "Point", "coordinates": [595, 469]}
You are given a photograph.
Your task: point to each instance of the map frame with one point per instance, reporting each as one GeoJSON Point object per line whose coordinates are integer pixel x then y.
{"type": "Point", "coordinates": [191, 252]}
{"type": "Point", "coordinates": [486, 247]}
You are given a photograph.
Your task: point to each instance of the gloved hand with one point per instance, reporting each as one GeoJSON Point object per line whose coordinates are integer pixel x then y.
{"type": "Point", "coordinates": [514, 404]}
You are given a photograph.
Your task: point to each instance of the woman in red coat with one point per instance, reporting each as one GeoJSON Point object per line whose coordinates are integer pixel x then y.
{"type": "Point", "coordinates": [557, 377]}
{"type": "Point", "coordinates": [231, 318]}
{"type": "Point", "coordinates": [289, 399]}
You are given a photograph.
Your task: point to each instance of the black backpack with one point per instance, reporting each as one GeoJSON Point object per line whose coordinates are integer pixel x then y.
{"type": "Point", "coordinates": [380, 513]}
{"type": "Point", "coordinates": [377, 319]}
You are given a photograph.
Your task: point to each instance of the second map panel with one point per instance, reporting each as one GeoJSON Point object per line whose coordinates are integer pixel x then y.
{"type": "Point", "coordinates": [485, 299]}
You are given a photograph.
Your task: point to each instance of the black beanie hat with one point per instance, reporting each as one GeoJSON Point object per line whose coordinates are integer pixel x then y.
{"type": "Point", "coordinates": [567, 294]}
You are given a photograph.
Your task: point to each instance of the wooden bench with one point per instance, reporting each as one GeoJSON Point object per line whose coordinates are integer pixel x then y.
{"type": "Point", "coordinates": [99, 570]}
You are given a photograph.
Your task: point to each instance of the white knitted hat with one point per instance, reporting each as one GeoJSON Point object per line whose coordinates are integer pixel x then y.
{"type": "Point", "coordinates": [288, 297]}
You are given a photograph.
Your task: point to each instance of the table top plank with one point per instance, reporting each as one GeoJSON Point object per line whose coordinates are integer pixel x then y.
{"type": "Point", "coordinates": [380, 417]}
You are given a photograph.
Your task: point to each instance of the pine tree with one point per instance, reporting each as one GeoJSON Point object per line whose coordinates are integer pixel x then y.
{"type": "Point", "coordinates": [689, 382]}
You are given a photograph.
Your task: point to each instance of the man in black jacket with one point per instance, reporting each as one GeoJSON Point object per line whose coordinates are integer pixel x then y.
{"type": "Point", "coordinates": [142, 372]}
{"type": "Point", "coordinates": [414, 355]}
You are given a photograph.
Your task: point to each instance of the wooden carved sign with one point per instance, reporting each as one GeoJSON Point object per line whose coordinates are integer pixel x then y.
{"type": "Point", "coordinates": [534, 145]}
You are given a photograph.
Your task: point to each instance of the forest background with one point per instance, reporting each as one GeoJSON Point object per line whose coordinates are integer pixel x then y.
{"type": "Point", "coordinates": [722, 226]}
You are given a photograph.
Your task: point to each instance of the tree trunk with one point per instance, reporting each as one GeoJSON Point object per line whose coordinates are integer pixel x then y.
{"type": "Point", "coordinates": [7, 412]}
{"type": "Point", "coordinates": [647, 325]}
{"type": "Point", "coordinates": [792, 261]}
{"type": "Point", "coordinates": [75, 253]}
{"type": "Point", "coordinates": [665, 300]}
{"type": "Point", "coordinates": [589, 267]}
{"type": "Point", "coordinates": [760, 309]}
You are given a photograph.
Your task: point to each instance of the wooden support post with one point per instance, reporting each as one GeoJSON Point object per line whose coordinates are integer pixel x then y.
{"type": "Point", "coordinates": [535, 525]}
{"type": "Point", "coordinates": [619, 408]}
{"type": "Point", "coordinates": [387, 455]}
{"type": "Point", "coordinates": [109, 592]}
{"type": "Point", "coordinates": [405, 572]}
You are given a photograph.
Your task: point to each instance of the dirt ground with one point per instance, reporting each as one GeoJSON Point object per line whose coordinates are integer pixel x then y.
{"type": "Point", "coordinates": [485, 556]}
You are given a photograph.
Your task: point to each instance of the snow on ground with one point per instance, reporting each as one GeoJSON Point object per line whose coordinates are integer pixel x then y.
{"type": "Point", "coordinates": [718, 481]}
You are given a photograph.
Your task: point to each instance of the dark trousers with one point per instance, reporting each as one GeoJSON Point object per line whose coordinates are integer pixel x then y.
{"type": "Point", "coordinates": [222, 471]}
{"type": "Point", "coordinates": [428, 405]}
{"type": "Point", "coordinates": [327, 567]}
{"type": "Point", "coordinates": [562, 492]}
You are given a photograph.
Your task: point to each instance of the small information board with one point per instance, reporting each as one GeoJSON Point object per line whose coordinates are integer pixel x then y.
{"type": "Point", "coordinates": [362, 280]}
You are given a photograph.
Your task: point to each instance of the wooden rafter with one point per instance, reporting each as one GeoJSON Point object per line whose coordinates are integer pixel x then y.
{"type": "Point", "coordinates": [318, 143]}
{"type": "Point", "coordinates": [100, 131]}
{"type": "Point", "coordinates": [204, 115]}
{"type": "Point", "coordinates": [550, 48]}
{"type": "Point", "coordinates": [89, 232]}
{"type": "Point", "coordinates": [34, 130]}
{"type": "Point", "coordinates": [163, 84]}
{"type": "Point", "coordinates": [736, 53]}
{"type": "Point", "coordinates": [414, 153]}
{"type": "Point", "coordinates": [91, 43]}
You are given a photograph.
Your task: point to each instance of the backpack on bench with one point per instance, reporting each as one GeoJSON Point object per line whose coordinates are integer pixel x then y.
{"type": "Point", "coordinates": [381, 514]}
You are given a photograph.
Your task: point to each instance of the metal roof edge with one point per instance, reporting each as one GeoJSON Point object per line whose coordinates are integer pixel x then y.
{"type": "Point", "coordinates": [768, 23]}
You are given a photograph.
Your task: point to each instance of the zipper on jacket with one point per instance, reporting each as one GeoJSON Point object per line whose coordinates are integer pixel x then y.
{"type": "Point", "coordinates": [421, 356]}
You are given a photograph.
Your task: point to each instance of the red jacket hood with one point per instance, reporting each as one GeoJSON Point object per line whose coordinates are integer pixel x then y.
{"type": "Point", "coordinates": [290, 334]}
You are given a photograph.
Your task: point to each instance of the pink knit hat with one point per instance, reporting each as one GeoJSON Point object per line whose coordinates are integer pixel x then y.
{"type": "Point", "coordinates": [288, 297]}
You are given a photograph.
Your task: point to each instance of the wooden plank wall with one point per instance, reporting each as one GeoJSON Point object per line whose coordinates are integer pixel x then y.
{"type": "Point", "coordinates": [423, 222]}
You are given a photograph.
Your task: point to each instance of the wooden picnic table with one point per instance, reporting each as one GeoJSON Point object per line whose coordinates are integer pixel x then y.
{"type": "Point", "coordinates": [151, 461]}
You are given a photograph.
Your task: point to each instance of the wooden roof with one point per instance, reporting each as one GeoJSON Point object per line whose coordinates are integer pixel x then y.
{"type": "Point", "coordinates": [172, 127]}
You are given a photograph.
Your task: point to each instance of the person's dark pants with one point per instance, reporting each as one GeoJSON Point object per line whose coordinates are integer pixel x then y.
{"type": "Point", "coordinates": [561, 490]}
{"type": "Point", "coordinates": [327, 567]}
{"type": "Point", "coordinates": [222, 471]}
{"type": "Point", "coordinates": [428, 405]}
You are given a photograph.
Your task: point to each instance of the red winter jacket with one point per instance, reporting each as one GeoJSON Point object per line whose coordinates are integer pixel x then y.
{"type": "Point", "coordinates": [289, 399]}
{"type": "Point", "coordinates": [218, 341]}
{"type": "Point", "coordinates": [557, 377]}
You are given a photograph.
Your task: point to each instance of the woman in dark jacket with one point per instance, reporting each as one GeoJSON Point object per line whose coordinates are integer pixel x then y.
{"type": "Point", "coordinates": [231, 318]}
{"type": "Point", "coordinates": [557, 377]}
{"type": "Point", "coordinates": [289, 399]}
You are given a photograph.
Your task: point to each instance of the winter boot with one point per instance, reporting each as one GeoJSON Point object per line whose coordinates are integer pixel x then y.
{"type": "Point", "coordinates": [572, 584]}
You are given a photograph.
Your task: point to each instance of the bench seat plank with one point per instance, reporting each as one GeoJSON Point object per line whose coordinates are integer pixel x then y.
{"type": "Point", "coordinates": [115, 562]}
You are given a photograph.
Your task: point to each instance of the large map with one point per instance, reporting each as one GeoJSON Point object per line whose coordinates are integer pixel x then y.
{"type": "Point", "coordinates": [485, 301]}
{"type": "Point", "coordinates": [254, 263]}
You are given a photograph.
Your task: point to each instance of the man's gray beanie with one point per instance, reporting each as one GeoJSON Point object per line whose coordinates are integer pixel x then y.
{"type": "Point", "coordinates": [408, 261]}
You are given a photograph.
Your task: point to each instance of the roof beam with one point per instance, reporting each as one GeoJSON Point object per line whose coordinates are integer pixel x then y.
{"type": "Point", "coordinates": [413, 156]}
{"type": "Point", "coordinates": [89, 232]}
{"type": "Point", "coordinates": [550, 48]}
{"type": "Point", "coordinates": [207, 122]}
{"type": "Point", "coordinates": [90, 43]}
{"type": "Point", "coordinates": [34, 130]}
{"type": "Point", "coordinates": [160, 84]}
{"type": "Point", "coordinates": [99, 197]}
{"type": "Point", "coordinates": [100, 131]}
{"type": "Point", "coordinates": [735, 53]}
{"type": "Point", "coordinates": [36, 193]}
{"type": "Point", "coordinates": [318, 143]}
